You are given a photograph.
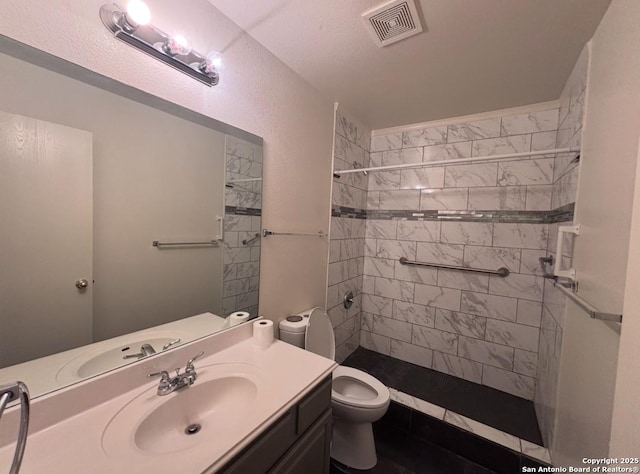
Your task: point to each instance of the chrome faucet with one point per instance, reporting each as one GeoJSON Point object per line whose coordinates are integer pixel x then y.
{"type": "Point", "coordinates": [170, 384]}
{"type": "Point", "coordinates": [145, 350]}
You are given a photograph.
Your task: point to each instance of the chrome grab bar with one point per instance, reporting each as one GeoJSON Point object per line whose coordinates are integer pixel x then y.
{"type": "Point", "coordinates": [588, 308]}
{"type": "Point", "coordinates": [214, 243]}
{"type": "Point", "coordinates": [251, 240]}
{"type": "Point", "coordinates": [267, 233]}
{"type": "Point", "coordinates": [9, 393]}
{"type": "Point", "coordinates": [501, 272]}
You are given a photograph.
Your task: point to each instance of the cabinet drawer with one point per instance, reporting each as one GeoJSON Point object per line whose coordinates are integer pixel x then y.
{"type": "Point", "coordinates": [268, 448]}
{"type": "Point", "coordinates": [314, 405]}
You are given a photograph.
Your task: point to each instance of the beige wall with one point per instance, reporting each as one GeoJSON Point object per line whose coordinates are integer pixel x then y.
{"type": "Point", "coordinates": [617, 43]}
{"type": "Point", "coordinates": [257, 93]}
{"type": "Point", "coordinates": [603, 253]}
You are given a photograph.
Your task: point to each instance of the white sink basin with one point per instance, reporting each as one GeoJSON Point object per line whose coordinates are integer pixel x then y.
{"type": "Point", "coordinates": [219, 402]}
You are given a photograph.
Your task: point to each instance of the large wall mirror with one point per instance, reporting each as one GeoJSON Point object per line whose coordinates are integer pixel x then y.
{"type": "Point", "coordinates": [129, 225]}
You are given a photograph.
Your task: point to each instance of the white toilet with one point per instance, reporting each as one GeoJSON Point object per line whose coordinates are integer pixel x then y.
{"type": "Point", "coordinates": [357, 398]}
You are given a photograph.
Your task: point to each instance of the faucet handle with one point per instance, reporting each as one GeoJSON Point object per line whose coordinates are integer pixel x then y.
{"type": "Point", "coordinates": [191, 361]}
{"type": "Point", "coordinates": [164, 375]}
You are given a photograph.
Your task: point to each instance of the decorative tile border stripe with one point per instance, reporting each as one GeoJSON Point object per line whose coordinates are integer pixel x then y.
{"type": "Point", "coordinates": [561, 214]}
{"type": "Point", "coordinates": [349, 212]}
{"type": "Point", "coordinates": [506, 440]}
{"type": "Point", "coordinates": [242, 211]}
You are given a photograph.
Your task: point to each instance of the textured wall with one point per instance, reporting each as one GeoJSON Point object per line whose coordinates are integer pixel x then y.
{"type": "Point", "coordinates": [257, 93]}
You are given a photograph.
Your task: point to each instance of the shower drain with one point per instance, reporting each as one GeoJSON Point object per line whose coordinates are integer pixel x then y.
{"type": "Point", "coordinates": [192, 429]}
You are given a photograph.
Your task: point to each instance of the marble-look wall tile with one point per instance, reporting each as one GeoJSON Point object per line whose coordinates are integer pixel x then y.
{"type": "Point", "coordinates": [419, 231]}
{"type": "Point", "coordinates": [539, 198]}
{"type": "Point", "coordinates": [392, 141]}
{"type": "Point", "coordinates": [510, 382]}
{"type": "Point", "coordinates": [400, 200]}
{"type": "Point", "coordinates": [394, 249]}
{"type": "Point", "coordinates": [439, 199]}
{"type": "Point", "coordinates": [389, 288]}
{"type": "Point", "coordinates": [513, 335]}
{"type": "Point", "coordinates": [503, 198]}
{"type": "Point", "coordinates": [381, 229]}
{"type": "Point", "coordinates": [437, 297]}
{"type": "Point", "coordinates": [525, 363]}
{"type": "Point", "coordinates": [463, 281]}
{"type": "Point", "coordinates": [384, 181]}
{"type": "Point", "coordinates": [527, 236]}
{"type": "Point", "coordinates": [487, 353]}
{"type": "Point", "coordinates": [460, 323]}
{"type": "Point", "coordinates": [473, 175]}
{"type": "Point", "coordinates": [411, 353]}
{"type": "Point", "coordinates": [425, 137]}
{"type": "Point", "coordinates": [448, 254]}
{"type": "Point", "coordinates": [491, 258]}
{"type": "Point", "coordinates": [530, 122]}
{"type": "Point", "coordinates": [474, 130]}
{"type": "Point", "coordinates": [379, 267]}
{"type": "Point", "coordinates": [377, 305]}
{"type": "Point", "coordinates": [392, 328]}
{"type": "Point", "coordinates": [528, 287]}
{"type": "Point", "coordinates": [458, 367]}
{"type": "Point", "coordinates": [501, 146]}
{"type": "Point", "coordinates": [434, 339]}
{"type": "Point", "coordinates": [422, 178]}
{"type": "Point", "coordinates": [375, 342]}
{"type": "Point", "coordinates": [544, 140]}
{"type": "Point", "coordinates": [452, 151]}
{"type": "Point", "coordinates": [490, 306]}
{"type": "Point", "coordinates": [424, 275]}
{"type": "Point", "coordinates": [345, 349]}
{"type": "Point", "coordinates": [525, 172]}
{"type": "Point", "coordinates": [529, 313]}
{"type": "Point", "coordinates": [414, 313]}
{"type": "Point", "coordinates": [470, 233]}
{"type": "Point", "coordinates": [402, 157]}
{"type": "Point", "coordinates": [530, 263]}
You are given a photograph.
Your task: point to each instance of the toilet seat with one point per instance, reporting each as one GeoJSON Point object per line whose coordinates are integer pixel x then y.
{"type": "Point", "coordinates": [366, 392]}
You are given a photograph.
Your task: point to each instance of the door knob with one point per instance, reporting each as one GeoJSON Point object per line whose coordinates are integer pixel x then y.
{"type": "Point", "coordinates": [82, 284]}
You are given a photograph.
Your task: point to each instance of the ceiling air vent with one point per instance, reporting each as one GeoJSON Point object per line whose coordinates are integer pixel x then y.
{"type": "Point", "coordinates": [393, 21]}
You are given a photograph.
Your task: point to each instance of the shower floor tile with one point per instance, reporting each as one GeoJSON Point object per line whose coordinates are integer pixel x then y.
{"type": "Point", "coordinates": [492, 407]}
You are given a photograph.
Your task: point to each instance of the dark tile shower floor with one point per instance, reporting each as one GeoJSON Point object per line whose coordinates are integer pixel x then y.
{"type": "Point", "coordinates": [492, 407]}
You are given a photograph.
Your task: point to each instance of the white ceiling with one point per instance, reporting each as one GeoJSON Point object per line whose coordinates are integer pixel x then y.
{"type": "Point", "coordinates": [474, 55]}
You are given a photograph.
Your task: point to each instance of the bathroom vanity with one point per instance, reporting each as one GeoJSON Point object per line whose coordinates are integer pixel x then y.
{"type": "Point", "coordinates": [250, 410]}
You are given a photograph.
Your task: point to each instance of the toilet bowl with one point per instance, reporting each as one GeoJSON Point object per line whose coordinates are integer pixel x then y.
{"type": "Point", "coordinates": [357, 398]}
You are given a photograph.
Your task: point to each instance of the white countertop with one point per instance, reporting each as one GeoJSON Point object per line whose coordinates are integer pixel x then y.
{"type": "Point", "coordinates": [75, 444]}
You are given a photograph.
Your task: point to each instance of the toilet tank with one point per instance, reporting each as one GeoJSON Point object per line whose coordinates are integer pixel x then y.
{"type": "Point", "coordinates": [292, 330]}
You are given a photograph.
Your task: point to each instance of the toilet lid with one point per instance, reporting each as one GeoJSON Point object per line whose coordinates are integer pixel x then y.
{"type": "Point", "coordinates": [376, 394]}
{"type": "Point", "coordinates": [319, 337]}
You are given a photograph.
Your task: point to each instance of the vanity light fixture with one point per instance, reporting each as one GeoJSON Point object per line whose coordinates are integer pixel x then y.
{"type": "Point", "coordinates": [132, 27]}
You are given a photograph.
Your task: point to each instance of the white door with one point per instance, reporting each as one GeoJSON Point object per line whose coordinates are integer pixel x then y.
{"type": "Point", "coordinates": [46, 233]}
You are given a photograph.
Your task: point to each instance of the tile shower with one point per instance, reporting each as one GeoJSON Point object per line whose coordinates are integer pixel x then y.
{"type": "Point", "coordinates": [501, 332]}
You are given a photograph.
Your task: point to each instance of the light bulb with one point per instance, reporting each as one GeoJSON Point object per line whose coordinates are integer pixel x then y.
{"type": "Point", "coordinates": [178, 45]}
{"type": "Point", "coordinates": [212, 63]}
{"type": "Point", "coordinates": [138, 13]}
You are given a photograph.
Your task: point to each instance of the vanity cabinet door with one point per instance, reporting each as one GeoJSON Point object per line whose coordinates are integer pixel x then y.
{"type": "Point", "coordinates": [310, 455]}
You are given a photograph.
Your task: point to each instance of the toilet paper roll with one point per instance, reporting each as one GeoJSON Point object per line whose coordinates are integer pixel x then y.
{"type": "Point", "coordinates": [238, 317]}
{"type": "Point", "coordinates": [263, 333]}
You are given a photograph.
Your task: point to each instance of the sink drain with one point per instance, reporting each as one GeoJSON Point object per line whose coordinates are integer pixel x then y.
{"type": "Point", "coordinates": [192, 429]}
